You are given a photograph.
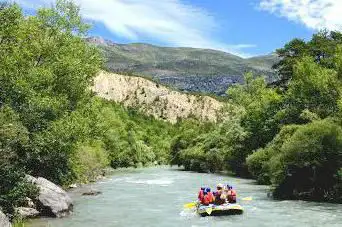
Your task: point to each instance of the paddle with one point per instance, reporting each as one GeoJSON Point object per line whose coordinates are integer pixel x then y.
{"type": "Point", "coordinates": [247, 199]}
{"type": "Point", "coordinates": [190, 205]}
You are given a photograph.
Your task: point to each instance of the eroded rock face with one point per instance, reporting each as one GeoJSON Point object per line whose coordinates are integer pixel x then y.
{"type": "Point", "coordinates": [4, 221]}
{"type": "Point", "coordinates": [52, 200]}
{"type": "Point", "coordinates": [156, 100]}
{"type": "Point", "coordinates": [27, 212]}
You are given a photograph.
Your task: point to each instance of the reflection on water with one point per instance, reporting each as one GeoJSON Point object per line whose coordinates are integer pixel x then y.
{"type": "Point", "coordinates": [155, 197]}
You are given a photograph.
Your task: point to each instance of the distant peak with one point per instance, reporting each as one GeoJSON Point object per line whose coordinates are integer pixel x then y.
{"type": "Point", "coordinates": [98, 40]}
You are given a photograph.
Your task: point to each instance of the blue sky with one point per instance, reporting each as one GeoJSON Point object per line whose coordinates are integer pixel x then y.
{"type": "Point", "coordinates": [243, 27]}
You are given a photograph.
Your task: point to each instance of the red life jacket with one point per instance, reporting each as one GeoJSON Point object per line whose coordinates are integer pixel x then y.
{"type": "Point", "coordinates": [232, 196]}
{"type": "Point", "coordinates": [200, 195]}
{"type": "Point", "coordinates": [211, 197]}
{"type": "Point", "coordinates": [207, 199]}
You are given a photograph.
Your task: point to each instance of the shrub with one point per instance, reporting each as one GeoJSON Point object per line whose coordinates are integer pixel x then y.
{"type": "Point", "coordinates": [14, 188]}
{"type": "Point", "coordinates": [258, 162]}
{"type": "Point", "coordinates": [89, 160]}
{"type": "Point", "coordinates": [13, 139]}
{"type": "Point", "coordinates": [309, 162]}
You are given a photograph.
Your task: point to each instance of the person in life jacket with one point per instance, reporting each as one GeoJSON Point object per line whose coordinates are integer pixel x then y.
{"type": "Point", "coordinates": [201, 194]}
{"type": "Point", "coordinates": [220, 198]}
{"type": "Point", "coordinates": [208, 197]}
{"type": "Point", "coordinates": [226, 192]}
{"type": "Point", "coordinates": [231, 195]}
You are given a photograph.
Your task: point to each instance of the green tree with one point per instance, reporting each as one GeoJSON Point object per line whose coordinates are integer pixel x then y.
{"type": "Point", "coordinates": [303, 161]}
{"type": "Point", "coordinates": [13, 139]}
{"type": "Point", "coordinates": [47, 67]}
{"type": "Point", "coordinates": [259, 120]}
{"type": "Point", "coordinates": [308, 164]}
{"type": "Point", "coordinates": [313, 88]}
{"type": "Point", "coordinates": [322, 48]}
{"type": "Point", "coordinates": [259, 161]}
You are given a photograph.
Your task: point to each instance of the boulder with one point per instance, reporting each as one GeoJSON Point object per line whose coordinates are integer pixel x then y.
{"type": "Point", "coordinates": [4, 221]}
{"type": "Point", "coordinates": [52, 200]}
{"type": "Point", "coordinates": [27, 212]}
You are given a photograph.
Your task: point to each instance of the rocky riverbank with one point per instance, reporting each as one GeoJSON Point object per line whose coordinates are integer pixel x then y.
{"type": "Point", "coordinates": [52, 201]}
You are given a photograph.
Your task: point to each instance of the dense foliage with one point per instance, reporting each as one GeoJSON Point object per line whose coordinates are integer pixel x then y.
{"type": "Point", "coordinates": [13, 138]}
{"type": "Point", "coordinates": [51, 124]}
{"type": "Point", "coordinates": [288, 136]}
{"type": "Point", "coordinates": [321, 48]}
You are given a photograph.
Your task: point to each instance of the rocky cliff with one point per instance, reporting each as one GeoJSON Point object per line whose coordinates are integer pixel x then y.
{"type": "Point", "coordinates": [154, 99]}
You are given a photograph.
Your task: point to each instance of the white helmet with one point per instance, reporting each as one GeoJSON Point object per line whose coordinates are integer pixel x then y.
{"type": "Point", "coordinates": [219, 185]}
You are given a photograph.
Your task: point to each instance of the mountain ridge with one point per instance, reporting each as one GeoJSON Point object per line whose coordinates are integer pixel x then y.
{"type": "Point", "coordinates": [184, 68]}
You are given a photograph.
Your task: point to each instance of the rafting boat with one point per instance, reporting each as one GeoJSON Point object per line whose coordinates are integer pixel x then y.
{"type": "Point", "coordinates": [219, 210]}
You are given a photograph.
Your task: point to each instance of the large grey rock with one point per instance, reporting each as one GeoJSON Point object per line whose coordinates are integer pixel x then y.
{"type": "Point", "coordinates": [52, 200]}
{"type": "Point", "coordinates": [4, 221]}
{"type": "Point", "coordinates": [27, 212]}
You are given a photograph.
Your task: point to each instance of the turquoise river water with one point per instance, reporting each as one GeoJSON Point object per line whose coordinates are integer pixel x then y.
{"type": "Point", "coordinates": [155, 197]}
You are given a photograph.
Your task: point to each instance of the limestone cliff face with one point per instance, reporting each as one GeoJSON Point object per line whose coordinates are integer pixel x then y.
{"type": "Point", "coordinates": [154, 99]}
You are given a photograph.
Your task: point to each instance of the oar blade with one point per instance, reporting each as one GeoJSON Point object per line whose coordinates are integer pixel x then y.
{"type": "Point", "coordinates": [190, 205]}
{"type": "Point", "coordinates": [247, 199]}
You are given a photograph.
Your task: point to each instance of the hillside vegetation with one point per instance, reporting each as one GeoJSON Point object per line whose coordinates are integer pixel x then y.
{"type": "Point", "coordinates": [51, 124]}
{"type": "Point", "coordinates": [289, 136]}
{"type": "Point", "coordinates": [187, 69]}
{"type": "Point", "coordinates": [156, 100]}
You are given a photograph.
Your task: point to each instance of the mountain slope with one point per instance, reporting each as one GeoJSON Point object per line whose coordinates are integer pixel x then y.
{"type": "Point", "coordinates": [154, 99]}
{"type": "Point", "coordinates": [187, 69]}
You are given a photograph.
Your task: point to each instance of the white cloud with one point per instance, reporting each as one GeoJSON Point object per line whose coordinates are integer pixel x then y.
{"type": "Point", "coordinates": [315, 14]}
{"type": "Point", "coordinates": [171, 22]}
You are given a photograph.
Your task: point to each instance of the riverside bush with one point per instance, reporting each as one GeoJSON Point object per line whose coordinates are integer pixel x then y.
{"type": "Point", "coordinates": [309, 162]}
{"type": "Point", "coordinates": [258, 162]}
{"type": "Point", "coordinates": [13, 138]}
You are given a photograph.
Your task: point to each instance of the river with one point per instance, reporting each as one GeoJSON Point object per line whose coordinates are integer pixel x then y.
{"type": "Point", "coordinates": [155, 197]}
